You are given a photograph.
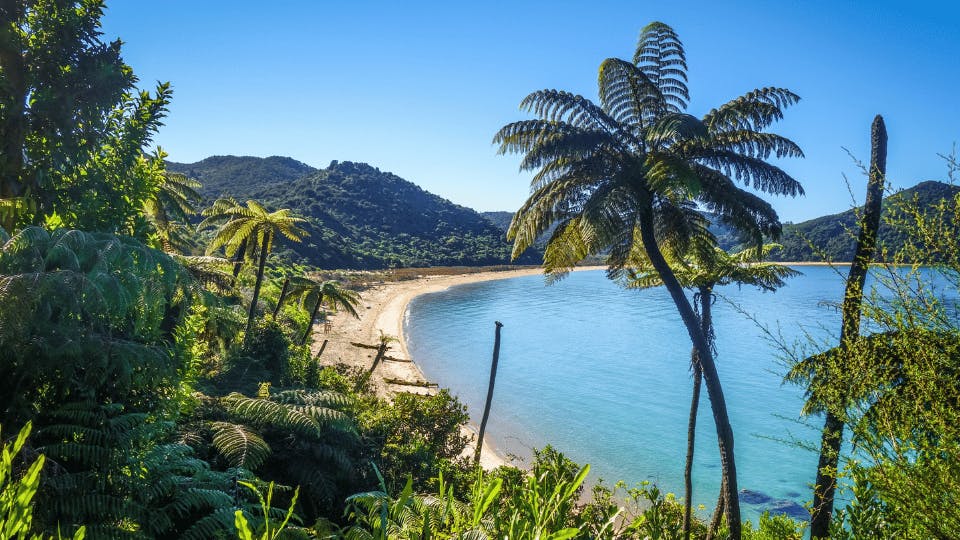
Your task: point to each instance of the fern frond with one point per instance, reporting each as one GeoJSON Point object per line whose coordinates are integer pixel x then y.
{"type": "Point", "coordinates": [217, 524]}
{"type": "Point", "coordinates": [241, 446]}
{"type": "Point", "coordinates": [262, 412]}
{"type": "Point", "coordinates": [661, 57]}
{"type": "Point", "coordinates": [312, 397]}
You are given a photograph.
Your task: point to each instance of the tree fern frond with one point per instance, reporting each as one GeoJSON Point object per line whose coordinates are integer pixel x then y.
{"type": "Point", "coordinates": [264, 412]}
{"type": "Point", "coordinates": [752, 171]}
{"type": "Point", "coordinates": [311, 397]}
{"type": "Point", "coordinates": [661, 57]}
{"type": "Point", "coordinates": [241, 446]}
{"type": "Point", "coordinates": [673, 128]}
{"type": "Point", "coordinates": [629, 96]}
{"type": "Point", "coordinates": [28, 236]}
{"type": "Point", "coordinates": [751, 143]}
{"type": "Point", "coordinates": [753, 111]}
{"type": "Point", "coordinates": [217, 524]}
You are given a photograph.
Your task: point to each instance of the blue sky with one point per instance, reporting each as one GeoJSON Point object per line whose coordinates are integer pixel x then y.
{"type": "Point", "coordinates": [420, 88]}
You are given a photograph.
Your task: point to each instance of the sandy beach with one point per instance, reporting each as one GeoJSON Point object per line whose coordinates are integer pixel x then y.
{"type": "Point", "coordinates": [382, 309]}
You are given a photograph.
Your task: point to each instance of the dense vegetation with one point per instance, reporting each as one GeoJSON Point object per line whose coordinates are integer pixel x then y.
{"type": "Point", "coordinates": [359, 217]}
{"type": "Point", "coordinates": [240, 177]}
{"type": "Point", "coordinates": [149, 391]}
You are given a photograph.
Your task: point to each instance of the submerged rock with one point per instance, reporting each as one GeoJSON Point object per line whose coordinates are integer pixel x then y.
{"type": "Point", "coordinates": [748, 496]}
{"type": "Point", "coordinates": [790, 508]}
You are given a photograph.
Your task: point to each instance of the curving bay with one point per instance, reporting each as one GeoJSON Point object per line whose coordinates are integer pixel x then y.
{"type": "Point", "coordinates": [602, 374]}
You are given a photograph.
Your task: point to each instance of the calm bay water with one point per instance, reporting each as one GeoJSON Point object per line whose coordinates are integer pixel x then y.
{"type": "Point", "coordinates": [602, 374]}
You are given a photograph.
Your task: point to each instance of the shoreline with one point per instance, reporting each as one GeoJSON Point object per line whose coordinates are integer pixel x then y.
{"type": "Point", "coordinates": [383, 309]}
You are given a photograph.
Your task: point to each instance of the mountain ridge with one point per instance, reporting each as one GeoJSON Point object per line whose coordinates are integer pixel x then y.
{"type": "Point", "coordinates": [357, 215]}
{"type": "Point", "coordinates": [362, 217]}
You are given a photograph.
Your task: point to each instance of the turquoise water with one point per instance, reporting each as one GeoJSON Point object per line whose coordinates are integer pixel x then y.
{"type": "Point", "coordinates": [602, 374]}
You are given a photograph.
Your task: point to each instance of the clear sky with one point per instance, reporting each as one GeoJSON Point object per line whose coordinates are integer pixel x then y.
{"type": "Point", "coordinates": [420, 88]}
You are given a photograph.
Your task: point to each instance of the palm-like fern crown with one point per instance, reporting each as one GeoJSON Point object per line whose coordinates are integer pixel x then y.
{"type": "Point", "coordinates": [178, 195]}
{"type": "Point", "coordinates": [169, 211]}
{"type": "Point", "coordinates": [598, 169]}
{"type": "Point", "coordinates": [239, 224]}
{"type": "Point", "coordinates": [330, 291]}
{"type": "Point", "coordinates": [709, 266]}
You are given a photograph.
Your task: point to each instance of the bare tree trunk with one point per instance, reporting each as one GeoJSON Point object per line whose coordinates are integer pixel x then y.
{"type": "Point", "coordinates": [313, 317]}
{"type": "Point", "coordinates": [706, 324]}
{"type": "Point", "coordinates": [825, 488]}
{"type": "Point", "coordinates": [283, 296]}
{"type": "Point", "coordinates": [256, 287]}
{"type": "Point", "coordinates": [710, 375]}
{"type": "Point", "coordinates": [691, 434]}
{"type": "Point", "coordinates": [493, 379]}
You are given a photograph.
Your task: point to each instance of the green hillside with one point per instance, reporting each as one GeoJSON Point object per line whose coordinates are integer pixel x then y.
{"type": "Point", "coordinates": [359, 217]}
{"type": "Point", "coordinates": [501, 219]}
{"type": "Point", "coordinates": [835, 234]}
{"type": "Point", "coordinates": [234, 176]}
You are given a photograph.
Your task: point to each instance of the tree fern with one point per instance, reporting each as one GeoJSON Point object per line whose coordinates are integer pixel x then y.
{"type": "Point", "coordinates": [624, 175]}
{"type": "Point", "coordinates": [241, 227]}
{"type": "Point", "coordinates": [70, 295]}
{"type": "Point", "coordinates": [86, 352]}
{"type": "Point", "coordinates": [295, 437]}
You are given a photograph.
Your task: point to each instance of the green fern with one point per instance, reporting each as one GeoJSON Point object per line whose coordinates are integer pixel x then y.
{"type": "Point", "coordinates": [86, 317]}
{"type": "Point", "coordinates": [241, 446]}
{"type": "Point", "coordinates": [296, 437]}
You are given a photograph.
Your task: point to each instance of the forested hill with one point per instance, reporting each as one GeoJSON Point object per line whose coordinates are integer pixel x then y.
{"type": "Point", "coordinates": [500, 219]}
{"type": "Point", "coordinates": [835, 234]}
{"type": "Point", "coordinates": [237, 176]}
{"type": "Point", "coordinates": [359, 216]}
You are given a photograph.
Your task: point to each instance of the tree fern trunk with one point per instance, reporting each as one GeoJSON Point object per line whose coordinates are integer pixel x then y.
{"type": "Point", "coordinates": [825, 488]}
{"type": "Point", "coordinates": [706, 324]}
{"type": "Point", "coordinates": [710, 376]}
{"type": "Point", "coordinates": [313, 318]}
{"type": "Point", "coordinates": [238, 260]}
{"type": "Point", "coordinates": [283, 296]}
{"type": "Point", "coordinates": [493, 379]}
{"type": "Point", "coordinates": [691, 433]}
{"type": "Point", "coordinates": [256, 287]}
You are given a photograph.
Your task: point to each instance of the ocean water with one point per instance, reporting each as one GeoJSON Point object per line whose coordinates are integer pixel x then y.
{"type": "Point", "coordinates": [602, 374]}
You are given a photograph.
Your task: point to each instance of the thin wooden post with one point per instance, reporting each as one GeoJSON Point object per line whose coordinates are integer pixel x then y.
{"type": "Point", "coordinates": [493, 379]}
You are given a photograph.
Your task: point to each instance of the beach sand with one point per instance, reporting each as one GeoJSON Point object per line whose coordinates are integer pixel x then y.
{"type": "Point", "coordinates": [382, 309]}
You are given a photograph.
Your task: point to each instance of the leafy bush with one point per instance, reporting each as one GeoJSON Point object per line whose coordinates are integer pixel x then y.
{"type": "Point", "coordinates": [414, 435]}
